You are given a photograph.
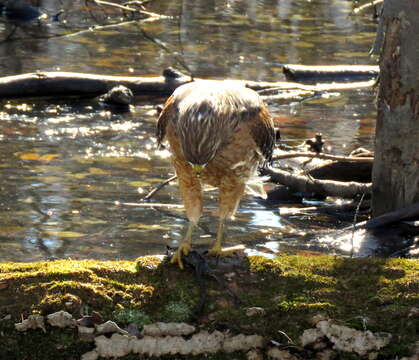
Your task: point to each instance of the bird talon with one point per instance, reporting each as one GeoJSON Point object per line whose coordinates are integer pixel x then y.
{"type": "Point", "coordinates": [182, 250]}
{"type": "Point", "coordinates": [177, 259]}
{"type": "Point", "coordinates": [215, 251]}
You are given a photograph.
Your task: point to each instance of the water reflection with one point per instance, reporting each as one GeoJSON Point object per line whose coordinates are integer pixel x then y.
{"type": "Point", "coordinates": [73, 172]}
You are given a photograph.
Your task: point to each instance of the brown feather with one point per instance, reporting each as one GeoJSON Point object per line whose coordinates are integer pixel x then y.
{"type": "Point", "coordinates": [229, 122]}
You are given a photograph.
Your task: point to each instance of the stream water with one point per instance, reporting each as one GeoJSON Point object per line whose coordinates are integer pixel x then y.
{"type": "Point", "coordinates": [73, 173]}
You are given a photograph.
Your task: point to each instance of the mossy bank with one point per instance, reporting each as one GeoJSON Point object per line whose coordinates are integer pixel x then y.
{"type": "Point", "coordinates": [381, 295]}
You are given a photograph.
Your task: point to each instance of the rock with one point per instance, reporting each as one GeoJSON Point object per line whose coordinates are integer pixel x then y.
{"type": "Point", "coordinates": [91, 355]}
{"type": "Point", "coordinates": [90, 320]}
{"type": "Point", "coordinates": [316, 318]}
{"type": "Point", "coordinates": [118, 95]}
{"type": "Point", "coordinates": [200, 343]}
{"type": "Point", "coordinates": [327, 354]}
{"type": "Point", "coordinates": [275, 353]}
{"type": "Point", "coordinates": [252, 311]}
{"type": "Point", "coordinates": [414, 312]}
{"type": "Point", "coordinates": [310, 336]}
{"type": "Point", "coordinates": [254, 355]}
{"type": "Point", "coordinates": [146, 346]}
{"type": "Point", "coordinates": [86, 333]}
{"type": "Point", "coordinates": [351, 340]}
{"type": "Point", "coordinates": [172, 329]}
{"type": "Point", "coordinates": [113, 347]}
{"type": "Point", "coordinates": [243, 343]}
{"type": "Point", "coordinates": [61, 319]}
{"type": "Point", "coordinates": [32, 322]}
{"type": "Point", "coordinates": [204, 342]}
{"type": "Point", "coordinates": [320, 345]}
{"type": "Point", "coordinates": [110, 327]}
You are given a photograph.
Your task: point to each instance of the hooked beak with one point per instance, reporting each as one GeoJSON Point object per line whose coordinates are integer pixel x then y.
{"type": "Point", "coordinates": [197, 169]}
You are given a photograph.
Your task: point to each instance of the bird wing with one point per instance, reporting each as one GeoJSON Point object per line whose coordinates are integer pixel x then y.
{"type": "Point", "coordinates": [166, 115]}
{"type": "Point", "coordinates": [263, 132]}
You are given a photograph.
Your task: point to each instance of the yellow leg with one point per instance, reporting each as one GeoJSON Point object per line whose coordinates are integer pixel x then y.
{"type": "Point", "coordinates": [184, 247]}
{"type": "Point", "coordinates": [230, 195]}
{"type": "Point", "coordinates": [216, 248]}
{"type": "Point", "coordinates": [190, 189]}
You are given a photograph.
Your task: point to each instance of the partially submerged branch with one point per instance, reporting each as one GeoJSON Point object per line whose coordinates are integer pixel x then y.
{"type": "Point", "coordinates": [289, 155]}
{"type": "Point", "coordinates": [406, 213]}
{"type": "Point", "coordinates": [367, 5]}
{"type": "Point", "coordinates": [79, 84]}
{"type": "Point", "coordinates": [68, 84]}
{"type": "Point", "coordinates": [330, 72]}
{"type": "Point", "coordinates": [300, 183]}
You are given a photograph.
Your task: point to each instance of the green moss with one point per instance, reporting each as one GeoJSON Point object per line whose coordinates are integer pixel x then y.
{"type": "Point", "coordinates": [376, 294]}
{"type": "Point", "coordinates": [133, 316]}
{"type": "Point", "coordinates": [177, 311]}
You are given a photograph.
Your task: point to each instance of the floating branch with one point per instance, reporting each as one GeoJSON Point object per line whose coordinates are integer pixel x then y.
{"type": "Point", "coordinates": [58, 84]}
{"type": "Point", "coordinates": [366, 6]}
{"type": "Point", "coordinates": [291, 155]}
{"type": "Point", "coordinates": [330, 72]}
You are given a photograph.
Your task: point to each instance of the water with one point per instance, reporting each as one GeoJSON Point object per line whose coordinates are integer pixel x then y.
{"type": "Point", "coordinates": [73, 173]}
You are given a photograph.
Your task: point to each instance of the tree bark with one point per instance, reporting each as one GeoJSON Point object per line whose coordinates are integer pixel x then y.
{"type": "Point", "coordinates": [396, 165]}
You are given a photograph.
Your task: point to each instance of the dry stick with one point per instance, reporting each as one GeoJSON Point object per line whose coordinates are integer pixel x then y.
{"type": "Point", "coordinates": [159, 187]}
{"type": "Point", "coordinates": [126, 8]}
{"type": "Point", "coordinates": [323, 156]}
{"type": "Point", "coordinates": [354, 224]}
{"type": "Point", "coordinates": [366, 6]}
{"type": "Point", "coordinates": [122, 7]}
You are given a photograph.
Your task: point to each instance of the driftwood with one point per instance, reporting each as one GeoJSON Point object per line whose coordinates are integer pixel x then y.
{"type": "Point", "coordinates": [301, 183]}
{"type": "Point", "coordinates": [367, 5]}
{"type": "Point", "coordinates": [330, 73]}
{"type": "Point", "coordinates": [79, 84]}
{"type": "Point", "coordinates": [406, 213]}
{"type": "Point", "coordinates": [289, 155]}
{"type": "Point", "coordinates": [343, 171]}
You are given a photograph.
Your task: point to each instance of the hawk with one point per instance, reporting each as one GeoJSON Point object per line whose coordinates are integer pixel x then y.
{"type": "Point", "coordinates": [219, 132]}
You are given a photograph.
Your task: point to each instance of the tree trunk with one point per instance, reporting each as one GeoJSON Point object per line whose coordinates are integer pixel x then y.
{"type": "Point", "coordinates": [396, 165]}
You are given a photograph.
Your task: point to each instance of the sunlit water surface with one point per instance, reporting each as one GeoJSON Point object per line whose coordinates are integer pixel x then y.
{"type": "Point", "coordinates": [73, 173]}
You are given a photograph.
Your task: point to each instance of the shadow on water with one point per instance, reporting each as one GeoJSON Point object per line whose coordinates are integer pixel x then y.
{"type": "Point", "coordinates": [72, 172]}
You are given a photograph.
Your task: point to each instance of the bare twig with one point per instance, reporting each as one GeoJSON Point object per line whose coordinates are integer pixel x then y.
{"type": "Point", "coordinates": [159, 187]}
{"type": "Point", "coordinates": [354, 223]}
{"type": "Point", "coordinates": [127, 8]}
{"type": "Point", "coordinates": [291, 155]}
{"type": "Point", "coordinates": [366, 6]}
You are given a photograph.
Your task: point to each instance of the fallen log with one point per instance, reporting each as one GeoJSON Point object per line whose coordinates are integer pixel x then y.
{"type": "Point", "coordinates": [59, 84]}
{"type": "Point", "coordinates": [79, 84]}
{"type": "Point", "coordinates": [301, 183]}
{"type": "Point", "coordinates": [343, 171]}
{"type": "Point", "coordinates": [406, 213]}
{"type": "Point", "coordinates": [333, 73]}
